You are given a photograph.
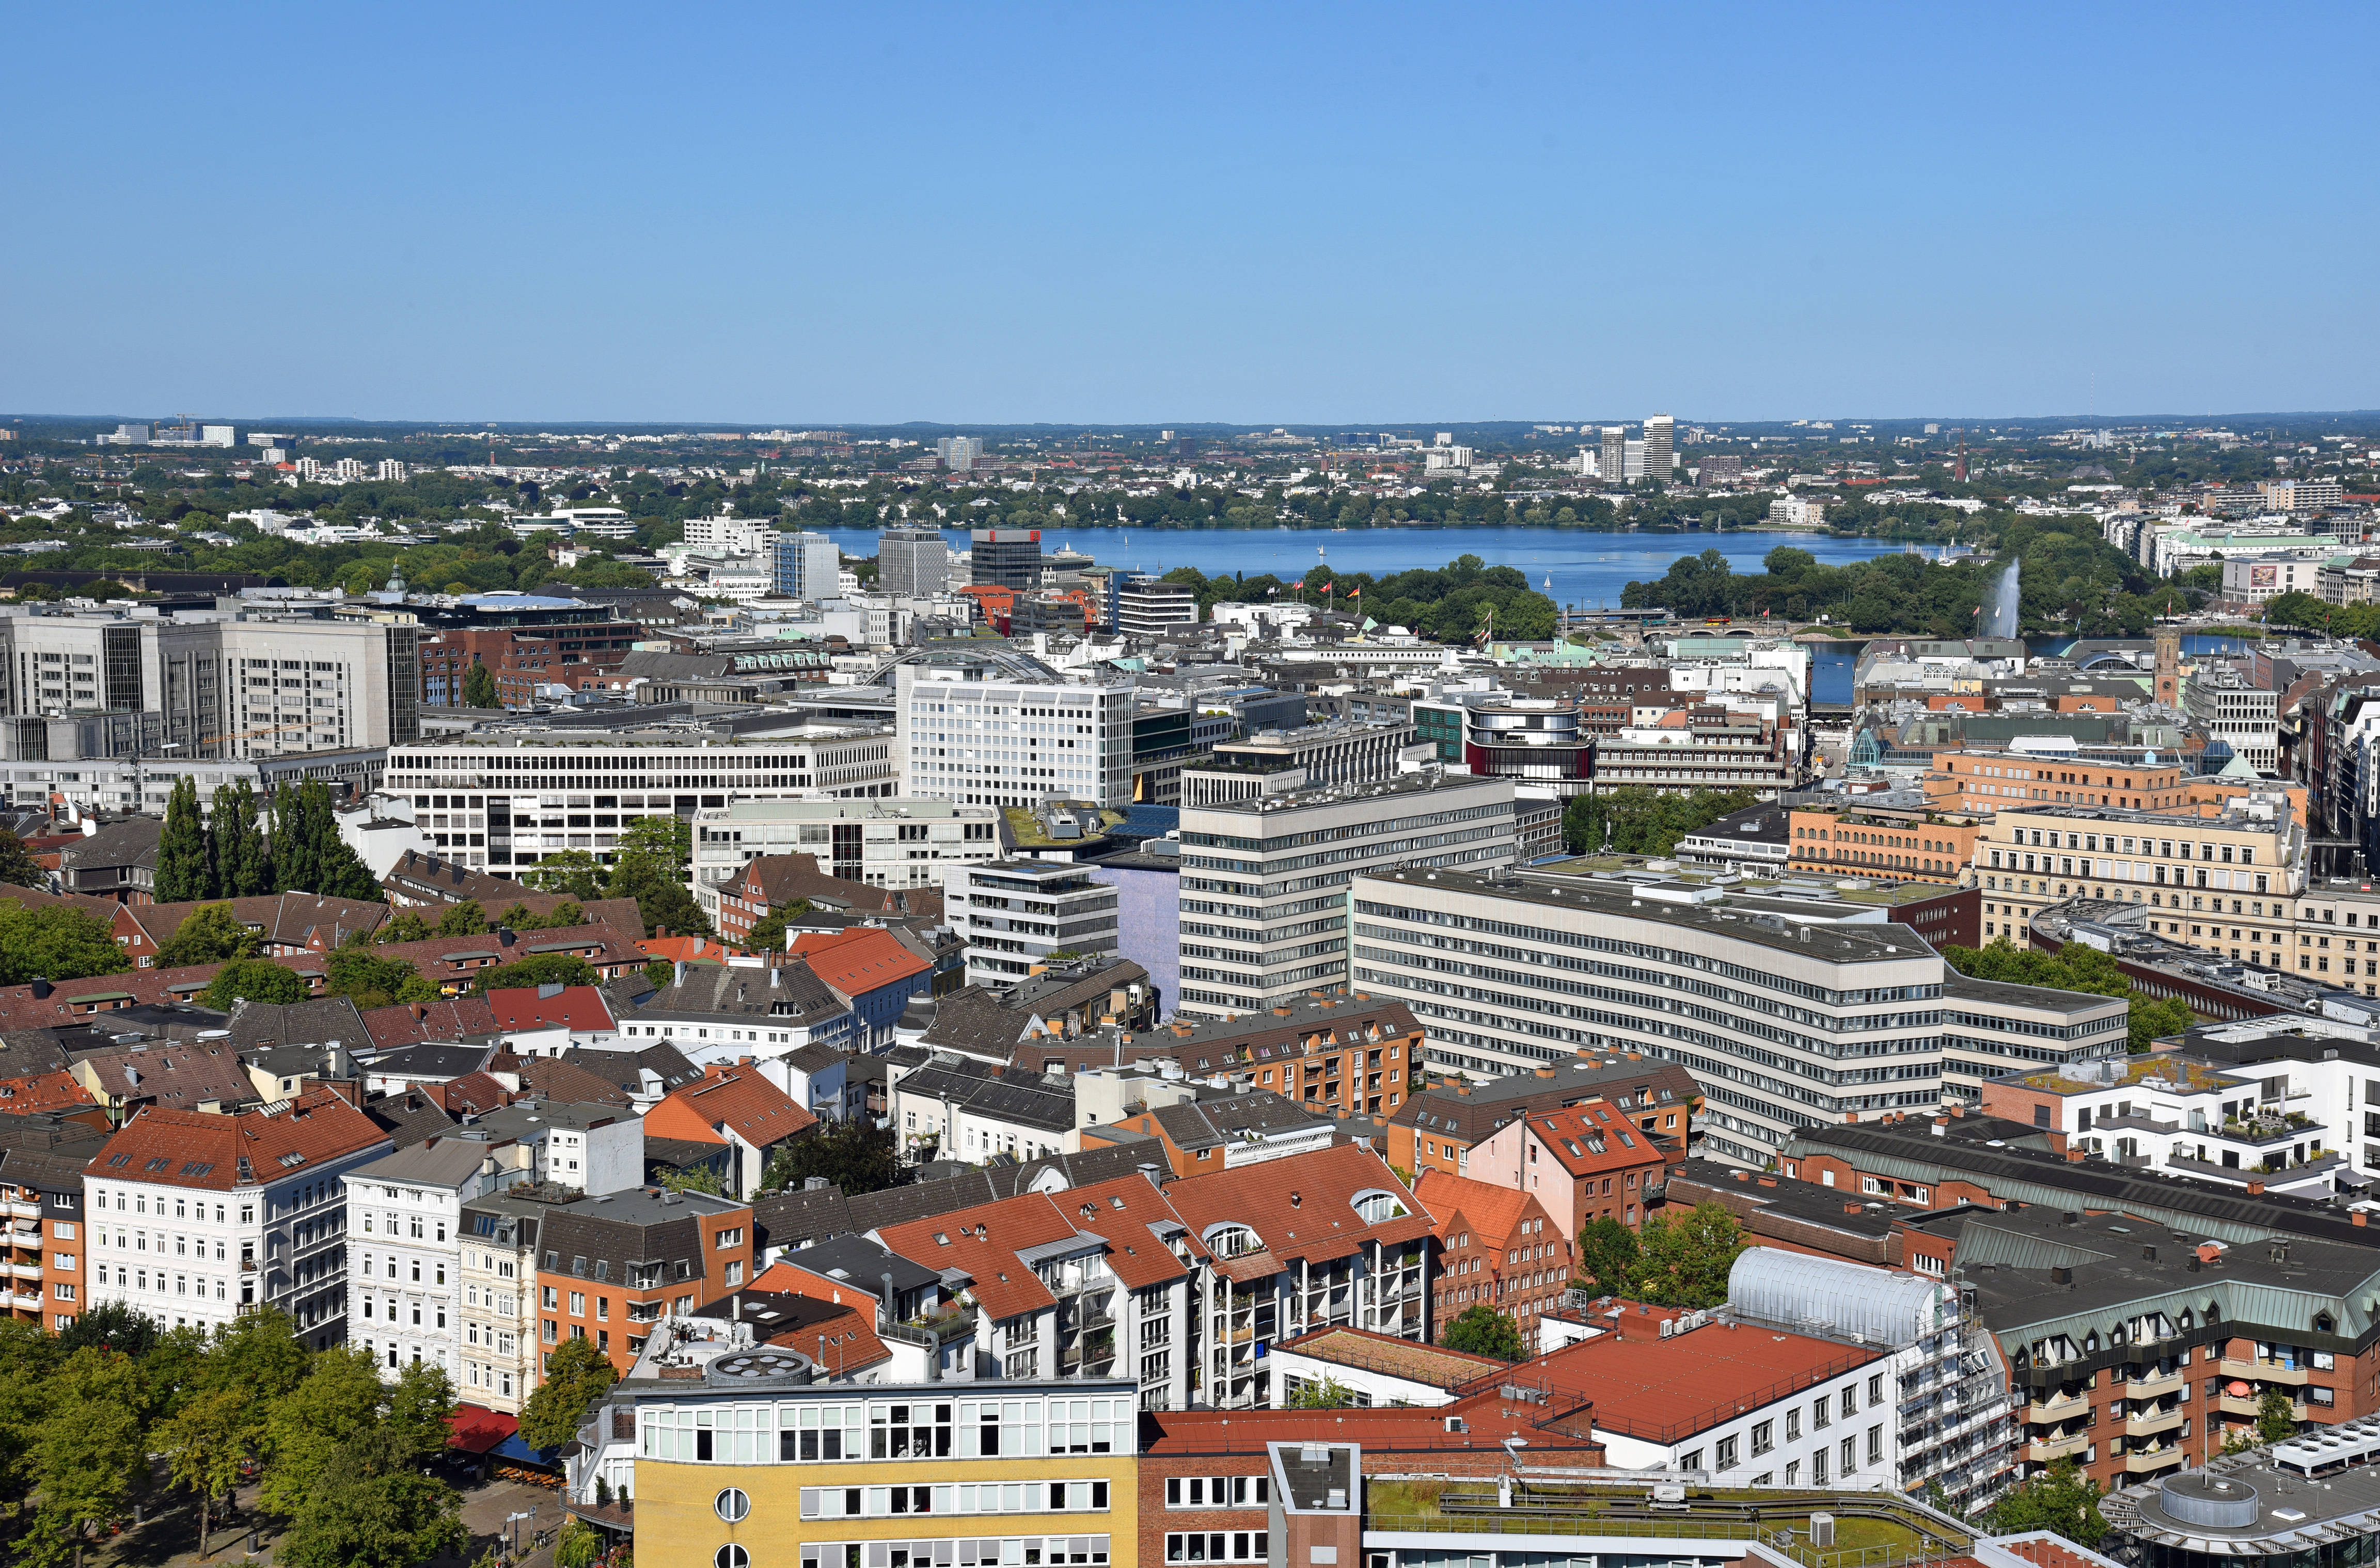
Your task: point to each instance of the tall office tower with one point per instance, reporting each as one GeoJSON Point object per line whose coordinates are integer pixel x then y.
{"type": "Point", "coordinates": [913, 561]}
{"type": "Point", "coordinates": [1006, 557]}
{"type": "Point", "coordinates": [1613, 465]}
{"type": "Point", "coordinates": [959, 453]}
{"type": "Point", "coordinates": [1660, 441]}
{"type": "Point", "coordinates": [807, 565]}
{"type": "Point", "coordinates": [995, 727]}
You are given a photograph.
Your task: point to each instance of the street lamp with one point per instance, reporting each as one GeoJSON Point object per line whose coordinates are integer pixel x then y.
{"type": "Point", "coordinates": [511, 1520]}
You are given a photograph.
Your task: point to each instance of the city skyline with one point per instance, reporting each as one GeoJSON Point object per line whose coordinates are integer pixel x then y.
{"type": "Point", "coordinates": [1341, 217]}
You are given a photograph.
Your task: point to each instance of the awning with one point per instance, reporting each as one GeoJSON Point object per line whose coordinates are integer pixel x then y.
{"type": "Point", "coordinates": [474, 1428]}
{"type": "Point", "coordinates": [514, 1448]}
{"type": "Point", "coordinates": [2239, 1391]}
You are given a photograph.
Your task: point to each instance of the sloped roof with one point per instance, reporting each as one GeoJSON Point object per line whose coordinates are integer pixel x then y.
{"type": "Point", "coordinates": [1472, 1112]}
{"type": "Point", "coordinates": [292, 918]}
{"type": "Point", "coordinates": [621, 1065]}
{"type": "Point", "coordinates": [736, 1098]}
{"type": "Point", "coordinates": [982, 1244]}
{"type": "Point", "coordinates": [42, 1091]}
{"type": "Point", "coordinates": [527, 1007]}
{"type": "Point", "coordinates": [1024, 1097]}
{"type": "Point", "coordinates": [408, 1117]}
{"type": "Point", "coordinates": [173, 1075]}
{"type": "Point", "coordinates": [409, 1023]}
{"type": "Point", "coordinates": [777, 879]}
{"type": "Point", "coordinates": [565, 1082]}
{"type": "Point", "coordinates": [1492, 1210]}
{"type": "Point", "coordinates": [1301, 1206]}
{"type": "Point", "coordinates": [797, 995]}
{"type": "Point", "coordinates": [258, 1024]}
{"type": "Point", "coordinates": [1592, 1139]}
{"type": "Point", "coordinates": [858, 961]}
{"type": "Point", "coordinates": [194, 1148]}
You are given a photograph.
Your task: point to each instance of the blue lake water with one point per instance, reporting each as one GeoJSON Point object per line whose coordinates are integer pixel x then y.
{"type": "Point", "coordinates": [1589, 570]}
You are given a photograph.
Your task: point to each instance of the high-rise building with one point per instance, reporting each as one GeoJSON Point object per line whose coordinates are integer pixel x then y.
{"type": "Point", "coordinates": [1149, 606]}
{"type": "Point", "coordinates": [913, 561]}
{"type": "Point", "coordinates": [1660, 443]}
{"type": "Point", "coordinates": [959, 453]}
{"type": "Point", "coordinates": [807, 565]}
{"type": "Point", "coordinates": [1612, 466]}
{"type": "Point", "coordinates": [1265, 880]}
{"type": "Point", "coordinates": [995, 727]}
{"type": "Point", "coordinates": [1013, 914]}
{"type": "Point", "coordinates": [1007, 558]}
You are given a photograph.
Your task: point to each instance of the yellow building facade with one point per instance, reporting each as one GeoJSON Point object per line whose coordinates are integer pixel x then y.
{"type": "Point", "coordinates": [950, 1475]}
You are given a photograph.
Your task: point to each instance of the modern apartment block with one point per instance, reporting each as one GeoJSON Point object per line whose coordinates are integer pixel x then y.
{"type": "Point", "coordinates": [884, 843]}
{"type": "Point", "coordinates": [610, 1266]}
{"type": "Point", "coordinates": [1780, 1024]}
{"type": "Point", "coordinates": [1013, 914]}
{"type": "Point", "coordinates": [993, 727]}
{"type": "Point", "coordinates": [916, 562]}
{"type": "Point", "coordinates": [198, 1216]}
{"type": "Point", "coordinates": [1265, 881]}
{"type": "Point", "coordinates": [220, 686]}
{"type": "Point", "coordinates": [519, 796]}
{"type": "Point", "coordinates": [1148, 606]}
{"type": "Point", "coordinates": [43, 1157]}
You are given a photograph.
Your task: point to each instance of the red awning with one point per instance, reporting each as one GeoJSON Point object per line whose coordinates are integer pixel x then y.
{"type": "Point", "coordinates": [2238, 1390]}
{"type": "Point", "coordinates": [474, 1428]}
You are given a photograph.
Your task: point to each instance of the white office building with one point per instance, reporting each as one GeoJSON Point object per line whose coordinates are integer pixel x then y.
{"type": "Point", "coordinates": [1265, 878]}
{"type": "Point", "coordinates": [995, 727]}
{"type": "Point", "coordinates": [1013, 914]}
{"type": "Point", "coordinates": [895, 843]}
{"type": "Point", "coordinates": [913, 561]}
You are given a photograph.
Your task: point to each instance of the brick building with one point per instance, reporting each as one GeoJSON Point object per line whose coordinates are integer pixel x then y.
{"type": "Point", "coordinates": [1584, 1162]}
{"type": "Point", "coordinates": [1442, 1122]}
{"type": "Point", "coordinates": [1497, 1247]}
{"type": "Point", "coordinates": [609, 1267]}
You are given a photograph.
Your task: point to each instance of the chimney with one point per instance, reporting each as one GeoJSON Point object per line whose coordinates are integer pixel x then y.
{"type": "Point", "coordinates": [2255, 1189]}
{"type": "Point", "coordinates": [2356, 1217]}
{"type": "Point", "coordinates": [660, 933]}
{"type": "Point", "coordinates": [504, 936]}
{"type": "Point", "coordinates": [42, 986]}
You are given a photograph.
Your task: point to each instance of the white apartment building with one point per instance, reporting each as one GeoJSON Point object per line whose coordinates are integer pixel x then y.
{"type": "Point", "coordinates": [594, 1148]}
{"type": "Point", "coordinates": [404, 1249]}
{"type": "Point", "coordinates": [221, 686]}
{"type": "Point", "coordinates": [1013, 914]}
{"type": "Point", "coordinates": [197, 1217]}
{"type": "Point", "coordinates": [498, 1306]}
{"type": "Point", "coordinates": [508, 799]}
{"type": "Point", "coordinates": [893, 843]}
{"type": "Point", "coordinates": [1781, 1023]}
{"type": "Point", "coordinates": [1265, 880]}
{"type": "Point", "coordinates": [994, 727]}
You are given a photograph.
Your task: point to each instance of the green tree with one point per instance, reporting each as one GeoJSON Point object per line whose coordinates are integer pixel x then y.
{"type": "Point", "coordinates": [209, 934]}
{"type": "Point", "coordinates": [113, 1326]}
{"type": "Point", "coordinates": [1683, 1259]}
{"type": "Point", "coordinates": [573, 871]}
{"type": "Point", "coordinates": [659, 972]}
{"type": "Point", "coordinates": [563, 915]}
{"type": "Point", "coordinates": [1607, 1258]}
{"type": "Point", "coordinates": [1482, 1330]}
{"type": "Point", "coordinates": [258, 979]}
{"type": "Point", "coordinates": [767, 934]}
{"type": "Point", "coordinates": [576, 1376]}
{"type": "Point", "coordinates": [258, 1355]}
{"type": "Point", "coordinates": [650, 868]}
{"type": "Point", "coordinates": [184, 872]}
{"type": "Point", "coordinates": [419, 1408]}
{"type": "Point", "coordinates": [235, 844]}
{"type": "Point", "coordinates": [517, 917]}
{"type": "Point", "coordinates": [87, 1453]}
{"type": "Point", "coordinates": [303, 1427]}
{"type": "Point", "coordinates": [1326, 1393]}
{"type": "Point", "coordinates": [695, 1178]}
{"type": "Point", "coordinates": [466, 919]}
{"type": "Point", "coordinates": [351, 971]}
{"type": "Point", "coordinates": [2276, 1422]}
{"type": "Point", "coordinates": [580, 1545]}
{"type": "Point", "coordinates": [2062, 1500]}
{"type": "Point", "coordinates": [56, 942]}
{"type": "Point", "coordinates": [373, 1507]}
{"type": "Point", "coordinates": [479, 686]}
{"type": "Point", "coordinates": [18, 867]}
{"type": "Point", "coordinates": [205, 1446]}
{"type": "Point", "coordinates": [537, 969]}
{"type": "Point", "coordinates": [854, 1154]}
{"type": "Point", "coordinates": [1639, 819]}
{"type": "Point", "coordinates": [2077, 968]}
{"type": "Point", "coordinates": [405, 926]}
{"type": "Point", "coordinates": [309, 855]}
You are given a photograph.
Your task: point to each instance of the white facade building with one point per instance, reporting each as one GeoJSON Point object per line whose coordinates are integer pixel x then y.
{"type": "Point", "coordinates": [999, 728]}
{"type": "Point", "coordinates": [893, 843]}
{"type": "Point", "coordinates": [404, 1255]}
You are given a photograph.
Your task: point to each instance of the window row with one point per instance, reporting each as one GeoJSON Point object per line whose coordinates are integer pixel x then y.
{"type": "Point", "coordinates": [964, 1553]}
{"type": "Point", "coordinates": [1005, 1497]}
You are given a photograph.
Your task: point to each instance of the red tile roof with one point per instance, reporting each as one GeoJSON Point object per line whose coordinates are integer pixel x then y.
{"type": "Point", "coordinates": [1592, 1139]}
{"type": "Point", "coordinates": [1123, 1210]}
{"type": "Point", "coordinates": [198, 1148]}
{"type": "Point", "coordinates": [575, 1007]}
{"type": "Point", "coordinates": [841, 1343]}
{"type": "Point", "coordinates": [1486, 1208]}
{"type": "Point", "coordinates": [1300, 1207]}
{"type": "Point", "coordinates": [981, 1243]}
{"type": "Point", "coordinates": [1666, 1389]}
{"type": "Point", "coordinates": [42, 1091]}
{"type": "Point", "coordinates": [858, 961]}
{"type": "Point", "coordinates": [413, 1022]}
{"type": "Point", "coordinates": [729, 1099]}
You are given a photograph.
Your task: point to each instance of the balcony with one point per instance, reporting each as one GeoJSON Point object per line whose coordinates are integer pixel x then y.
{"type": "Point", "coordinates": [2149, 1422]}
{"type": "Point", "coordinates": [2267, 1371]}
{"type": "Point", "coordinates": [24, 1211]}
{"type": "Point", "coordinates": [31, 1299]}
{"type": "Point", "coordinates": [2052, 1449]}
{"type": "Point", "coordinates": [2165, 1458]}
{"type": "Point", "coordinates": [2155, 1384]}
{"type": "Point", "coordinates": [26, 1270]}
{"type": "Point", "coordinates": [2057, 1408]}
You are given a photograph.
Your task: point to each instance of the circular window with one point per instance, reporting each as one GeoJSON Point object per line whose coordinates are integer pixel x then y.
{"type": "Point", "coordinates": [732, 1505]}
{"type": "Point", "coordinates": [732, 1556]}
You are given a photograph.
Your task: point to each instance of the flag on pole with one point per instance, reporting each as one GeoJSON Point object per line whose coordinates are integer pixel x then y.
{"type": "Point", "coordinates": [1356, 593]}
{"type": "Point", "coordinates": [1299, 585]}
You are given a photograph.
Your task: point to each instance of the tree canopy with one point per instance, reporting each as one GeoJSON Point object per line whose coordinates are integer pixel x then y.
{"type": "Point", "coordinates": [2075, 968]}
{"type": "Point", "coordinates": [1482, 1330]}
{"type": "Point", "coordinates": [575, 1374]}
{"type": "Point", "coordinates": [1681, 1257]}
{"type": "Point", "coordinates": [1641, 819]}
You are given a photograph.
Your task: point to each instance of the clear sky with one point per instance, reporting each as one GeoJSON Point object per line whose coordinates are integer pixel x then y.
{"type": "Point", "coordinates": [1173, 214]}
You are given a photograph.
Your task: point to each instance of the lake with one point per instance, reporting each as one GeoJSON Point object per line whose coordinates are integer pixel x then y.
{"type": "Point", "coordinates": [1589, 570]}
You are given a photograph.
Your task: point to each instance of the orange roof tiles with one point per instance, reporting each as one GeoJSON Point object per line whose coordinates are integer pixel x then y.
{"type": "Point", "coordinates": [198, 1148]}
{"type": "Point", "coordinates": [981, 1243]}
{"type": "Point", "coordinates": [1666, 1389]}
{"type": "Point", "coordinates": [1592, 1139]}
{"type": "Point", "coordinates": [575, 1007]}
{"type": "Point", "coordinates": [1299, 1207]}
{"type": "Point", "coordinates": [42, 1091]}
{"type": "Point", "coordinates": [729, 1099]}
{"type": "Point", "coordinates": [858, 961]}
{"type": "Point", "coordinates": [1491, 1209]}
{"type": "Point", "coordinates": [1123, 1210]}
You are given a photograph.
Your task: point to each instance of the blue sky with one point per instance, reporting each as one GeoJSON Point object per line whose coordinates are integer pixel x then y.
{"type": "Point", "coordinates": [1171, 215]}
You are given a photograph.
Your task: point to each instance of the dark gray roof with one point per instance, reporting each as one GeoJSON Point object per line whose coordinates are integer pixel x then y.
{"type": "Point", "coordinates": [718, 990]}
{"type": "Point", "coordinates": [815, 1058]}
{"type": "Point", "coordinates": [255, 1024]}
{"type": "Point", "coordinates": [801, 1216]}
{"type": "Point", "coordinates": [923, 1200]}
{"type": "Point", "coordinates": [622, 1067]}
{"type": "Point", "coordinates": [864, 1263]}
{"type": "Point", "coordinates": [46, 1151]}
{"type": "Point", "coordinates": [432, 1063]}
{"type": "Point", "coordinates": [24, 1053]}
{"type": "Point", "coordinates": [1025, 1099]}
{"type": "Point", "coordinates": [1811, 1202]}
{"type": "Point", "coordinates": [598, 1239]}
{"type": "Point", "coordinates": [408, 1117]}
